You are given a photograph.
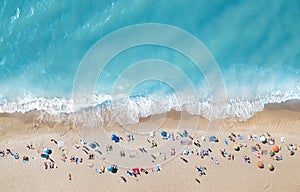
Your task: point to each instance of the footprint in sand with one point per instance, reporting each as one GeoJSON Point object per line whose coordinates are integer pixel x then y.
{"type": "Point", "coordinates": [267, 186]}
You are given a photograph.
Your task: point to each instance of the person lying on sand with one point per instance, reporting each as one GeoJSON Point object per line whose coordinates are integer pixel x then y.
{"type": "Point", "coordinates": [8, 151]}
{"type": "Point", "coordinates": [102, 170]}
{"type": "Point", "coordinates": [183, 159]}
{"type": "Point", "coordinates": [122, 153]}
{"type": "Point", "coordinates": [231, 157]}
{"type": "Point", "coordinates": [144, 171]}
{"type": "Point", "coordinates": [46, 165]}
{"type": "Point", "coordinates": [201, 170]}
{"type": "Point", "coordinates": [123, 179]}
{"type": "Point", "coordinates": [30, 146]}
{"type": "Point", "coordinates": [246, 159]}
{"type": "Point", "coordinates": [153, 143]}
{"type": "Point", "coordinates": [91, 156]}
{"type": "Point", "coordinates": [53, 140]}
{"type": "Point", "coordinates": [223, 152]}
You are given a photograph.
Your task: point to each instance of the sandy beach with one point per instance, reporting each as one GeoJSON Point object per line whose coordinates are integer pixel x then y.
{"type": "Point", "coordinates": [26, 136]}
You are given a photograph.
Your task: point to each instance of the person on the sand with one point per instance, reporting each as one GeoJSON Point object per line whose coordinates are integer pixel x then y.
{"type": "Point", "coordinates": [2, 154]}
{"type": "Point", "coordinates": [201, 170]}
{"type": "Point", "coordinates": [122, 153]}
{"type": "Point", "coordinates": [30, 146]}
{"type": "Point", "coordinates": [223, 152]}
{"type": "Point", "coordinates": [153, 143]}
{"type": "Point", "coordinates": [8, 151]}
{"type": "Point", "coordinates": [102, 169]}
{"type": "Point", "coordinates": [46, 165]}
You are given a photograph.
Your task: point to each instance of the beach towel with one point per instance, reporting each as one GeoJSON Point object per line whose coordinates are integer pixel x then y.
{"type": "Point", "coordinates": [186, 142]}
{"type": "Point", "coordinates": [93, 145]}
{"type": "Point", "coordinates": [60, 143]}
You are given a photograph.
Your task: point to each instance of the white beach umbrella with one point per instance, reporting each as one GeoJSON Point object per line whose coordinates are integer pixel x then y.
{"type": "Point", "coordinates": [262, 138]}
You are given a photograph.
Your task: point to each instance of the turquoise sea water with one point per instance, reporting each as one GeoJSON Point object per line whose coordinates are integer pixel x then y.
{"type": "Point", "coordinates": [256, 45]}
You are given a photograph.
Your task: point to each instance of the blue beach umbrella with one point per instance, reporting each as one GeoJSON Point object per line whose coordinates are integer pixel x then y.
{"type": "Point", "coordinates": [115, 138]}
{"type": "Point", "coordinates": [185, 133]}
{"type": "Point", "coordinates": [43, 155]}
{"type": "Point", "coordinates": [164, 134]}
{"type": "Point", "coordinates": [48, 151]}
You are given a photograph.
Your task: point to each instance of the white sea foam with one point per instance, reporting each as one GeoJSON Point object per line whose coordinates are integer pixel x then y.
{"type": "Point", "coordinates": [129, 110]}
{"type": "Point", "coordinates": [17, 15]}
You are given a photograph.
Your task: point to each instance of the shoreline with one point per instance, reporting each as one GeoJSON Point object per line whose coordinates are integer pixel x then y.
{"type": "Point", "coordinates": [235, 110]}
{"type": "Point", "coordinates": [289, 105]}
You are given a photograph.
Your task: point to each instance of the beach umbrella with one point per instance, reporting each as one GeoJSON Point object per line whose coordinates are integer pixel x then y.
{"type": "Point", "coordinates": [114, 170]}
{"type": "Point", "coordinates": [136, 170]}
{"type": "Point", "coordinates": [262, 139]}
{"type": "Point", "coordinates": [236, 147]}
{"type": "Point", "coordinates": [164, 134]}
{"type": "Point", "coordinates": [48, 151]}
{"type": "Point", "coordinates": [260, 164]}
{"type": "Point", "coordinates": [271, 167]}
{"type": "Point", "coordinates": [115, 138]}
{"type": "Point", "coordinates": [43, 155]}
{"type": "Point", "coordinates": [275, 148]}
{"type": "Point", "coordinates": [110, 168]}
{"type": "Point", "coordinates": [185, 133]}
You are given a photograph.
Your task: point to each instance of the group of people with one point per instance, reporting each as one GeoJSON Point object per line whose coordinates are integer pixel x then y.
{"type": "Point", "coordinates": [238, 141]}
{"type": "Point", "coordinates": [50, 165]}
{"type": "Point", "coordinates": [263, 140]}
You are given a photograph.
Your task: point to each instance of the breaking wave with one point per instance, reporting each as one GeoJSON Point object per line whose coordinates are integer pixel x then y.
{"type": "Point", "coordinates": [128, 110]}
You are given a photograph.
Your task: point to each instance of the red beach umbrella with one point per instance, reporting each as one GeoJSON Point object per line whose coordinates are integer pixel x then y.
{"type": "Point", "coordinates": [136, 170]}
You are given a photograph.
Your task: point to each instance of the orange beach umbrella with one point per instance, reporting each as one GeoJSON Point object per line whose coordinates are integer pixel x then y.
{"type": "Point", "coordinates": [275, 148]}
{"type": "Point", "coordinates": [260, 164]}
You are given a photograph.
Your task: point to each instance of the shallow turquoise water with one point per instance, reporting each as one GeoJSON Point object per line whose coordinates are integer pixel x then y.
{"type": "Point", "coordinates": [255, 44]}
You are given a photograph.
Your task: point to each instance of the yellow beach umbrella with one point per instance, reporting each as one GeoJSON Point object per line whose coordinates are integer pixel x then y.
{"type": "Point", "coordinates": [236, 147]}
{"type": "Point", "coordinates": [271, 167]}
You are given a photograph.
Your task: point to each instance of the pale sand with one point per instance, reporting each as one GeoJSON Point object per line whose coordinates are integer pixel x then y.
{"type": "Point", "coordinates": [16, 130]}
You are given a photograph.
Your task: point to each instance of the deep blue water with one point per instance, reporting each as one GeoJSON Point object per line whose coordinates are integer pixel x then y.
{"type": "Point", "coordinates": [256, 45]}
